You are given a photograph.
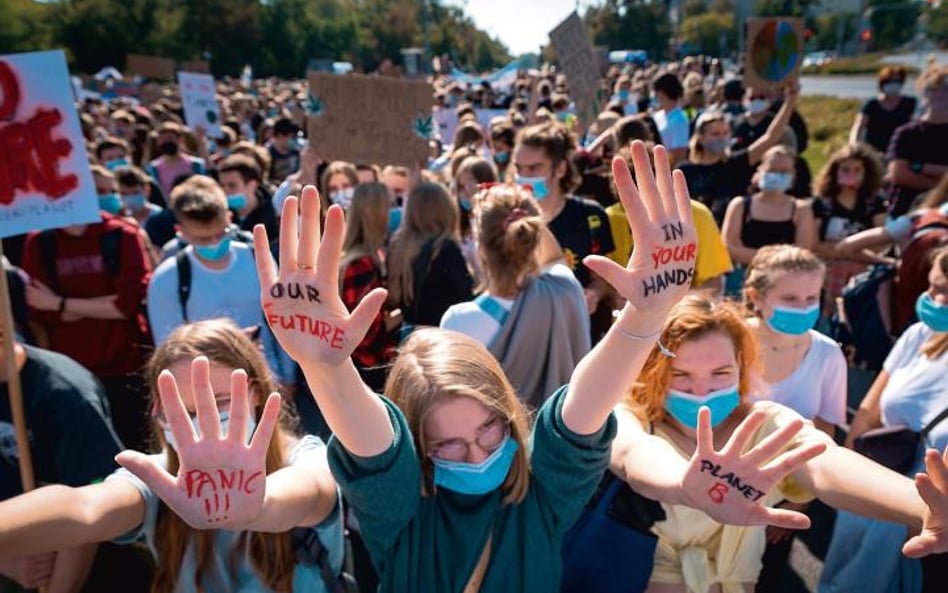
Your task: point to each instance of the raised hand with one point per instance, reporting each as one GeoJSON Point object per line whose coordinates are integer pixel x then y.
{"type": "Point", "coordinates": [221, 480]}
{"type": "Point", "coordinates": [301, 303]}
{"type": "Point", "coordinates": [658, 209]}
{"type": "Point", "coordinates": [933, 488]}
{"type": "Point", "coordinates": [730, 485]}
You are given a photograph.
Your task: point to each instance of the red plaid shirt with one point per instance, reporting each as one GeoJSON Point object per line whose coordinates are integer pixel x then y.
{"type": "Point", "coordinates": [360, 277]}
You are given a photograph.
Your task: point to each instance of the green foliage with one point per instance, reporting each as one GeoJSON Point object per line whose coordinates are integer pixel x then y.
{"type": "Point", "coordinates": [796, 8]}
{"type": "Point", "coordinates": [893, 22]}
{"type": "Point", "coordinates": [705, 32]}
{"type": "Point", "coordinates": [277, 37]}
{"type": "Point", "coordinates": [833, 30]}
{"type": "Point", "coordinates": [937, 17]}
{"type": "Point", "coordinates": [829, 120]}
{"type": "Point", "coordinates": [630, 24]}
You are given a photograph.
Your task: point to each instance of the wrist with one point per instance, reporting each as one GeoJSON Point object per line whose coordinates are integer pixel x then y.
{"type": "Point", "coordinates": [62, 305]}
{"type": "Point", "coordinates": [640, 324]}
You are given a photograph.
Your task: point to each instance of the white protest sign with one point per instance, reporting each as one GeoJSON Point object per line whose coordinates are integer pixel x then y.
{"type": "Point", "coordinates": [45, 180]}
{"type": "Point", "coordinates": [199, 98]}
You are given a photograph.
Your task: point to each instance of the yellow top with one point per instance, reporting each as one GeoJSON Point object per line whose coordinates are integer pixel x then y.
{"type": "Point", "coordinates": [712, 260]}
{"type": "Point", "coordinates": [698, 552]}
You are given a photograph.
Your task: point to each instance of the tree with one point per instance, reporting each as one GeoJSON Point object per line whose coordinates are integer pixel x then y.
{"type": "Point", "coordinates": [630, 24]}
{"type": "Point", "coordinates": [797, 8]}
{"type": "Point", "coordinates": [893, 22]}
{"type": "Point", "coordinates": [937, 17]}
{"type": "Point", "coordinates": [710, 33]}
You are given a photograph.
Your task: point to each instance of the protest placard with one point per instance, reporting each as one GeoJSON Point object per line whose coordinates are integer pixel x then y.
{"type": "Point", "coordinates": [370, 119]}
{"type": "Point", "coordinates": [199, 98]}
{"type": "Point", "coordinates": [579, 62]}
{"type": "Point", "coordinates": [199, 66]}
{"type": "Point", "coordinates": [149, 66]}
{"type": "Point", "coordinates": [774, 51]}
{"type": "Point", "coordinates": [447, 121]}
{"type": "Point", "coordinates": [45, 181]}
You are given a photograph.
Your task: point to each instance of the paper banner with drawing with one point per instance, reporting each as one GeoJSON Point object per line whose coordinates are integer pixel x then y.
{"type": "Point", "coordinates": [149, 66]}
{"type": "Point", "coordinates": [45, 180]}
{"type": "Point", "coordinates": [370, 119]}
{"type": "Point", "coordinates": [774, 51]}
{"type": "Point", "coordinates": [199, 98]}
{"type": "Point", "coordinates": [580, 63]}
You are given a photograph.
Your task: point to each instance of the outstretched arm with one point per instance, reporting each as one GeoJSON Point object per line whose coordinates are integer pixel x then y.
{"type": "Point", "coordinates": [658, 274]}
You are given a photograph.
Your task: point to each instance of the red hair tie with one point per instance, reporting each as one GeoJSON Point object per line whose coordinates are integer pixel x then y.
{"type": "Point", "coordinates": [515, 215]}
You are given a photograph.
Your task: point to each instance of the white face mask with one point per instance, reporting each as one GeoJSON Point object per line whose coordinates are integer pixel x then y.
{"type": "Point", "coordinates": [225, 424]}
{"type": "Point", "coordinates": [343, 197]}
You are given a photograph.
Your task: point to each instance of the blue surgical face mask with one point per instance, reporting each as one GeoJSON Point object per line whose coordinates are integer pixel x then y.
{"type": "Point", "coordinates": [932, 314]}
{"type": "Point", "coordinates": [776, 182]}
{"type": "Point", "coordinates": [465, 204]}
{"type": "Point", "coordinates": [134, 202]}
{"type": "Point", "coordinates": [476, 478]}
{"type": "Point", "coordinates": [892, 88]}
{"type": "Point", "coordinates": [792, 321]}
{"type": "Point", "coordinates": [111, 203]}
{"type": "Point", "coordinates": [225, 424]}
{"type": "Point", "coordinates": [684, 407]}
{"type": "Point", "coordinates": [214, 252]}
{"type": "Point", "coordinates": [394, 219]}
{"type": "Point", "coordinates": [116, 164]}
{"type": "Point", "coordinates": [716, 145]}
{"type": "Point", "coordinates": [538, 184]}
{"type": "Point", "coordinates": [501, 157]}
{"type": "Point", "coordinates": [624, 94]}
{"type": "Point", "coordinates": [758, 105]}
{"type": "Point", "coordinates": [236, 201]}
{"type": "Point", "coordinates": [562, 116]}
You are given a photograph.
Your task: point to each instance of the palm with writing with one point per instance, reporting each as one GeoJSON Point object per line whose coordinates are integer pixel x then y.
{"type": "Point", "coordinates": [301, 303]}
{"type": "Point", "coordinates": [933, 488]}
{"type": "Point", "coordinates": [730, 485]}
{"type": "Point", "coordinates": [658, 209]}
{"type": "Point", "coordinates": [221, 480]}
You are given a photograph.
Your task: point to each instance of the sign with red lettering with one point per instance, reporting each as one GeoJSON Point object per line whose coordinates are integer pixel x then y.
{"type": "Point", "coordinates": [45, 181]}
{"type": "Point", "coordinates": [199, 97]}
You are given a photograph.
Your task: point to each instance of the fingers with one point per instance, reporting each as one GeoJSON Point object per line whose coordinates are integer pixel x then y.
{"type": "Point", "coordinates": [705, 438]}
{"type": "Point", "coordinates": [266, 426]}
{"type": "Point", "coordinates": [148, 471]}
{"type": "Point", "coordinates": [683, 199]}
{"type": "Point", "coordinates": [635, 211]}
{"type": "Point", "coordinates": [773, 443]}
{"type": "Point", "coordinates": [239, 407]}
{"type": "Point", "coordinates": [174, 411]}
{"type": "Point", "coordinates": [743, 434]}
{"type": "Point", "coordinates": [266, 267]}
{"type": "Point", "coordinates": [365, 313]}
{"type": "Point", "coordinates": [663, 177]}
{"type": "Point", "coordinates": [792, 460]}
{"type": "Point", "coordinates": [928, 491]}
{"type": "Point", "coordinates": [607, 269]}
{"type": "Point", "coordinates": [645, 180]}
{"type": "Point", "coordinates": [784, 518]}
{"type": "Point", "coordinates": [208, 418]}
{"type": "Point", "coordinates": [331, 249]}
{"type": "Point", "coordinates": [289, 229]}
{"type": "Point", "coordinates": [921, 545]}
{"type": "Point", "coordinates": [936, 469]}
{"type": "Point", "coordinates": [310, 229]}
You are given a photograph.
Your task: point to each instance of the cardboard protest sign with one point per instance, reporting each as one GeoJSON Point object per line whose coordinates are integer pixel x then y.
{"type": "Point", "coordinates": [774, 51]}
{"type": "Point", "coordinates": [370, 119]}
{"type": "Point", "coordinates": [447, 121]}
{"type": "Point", "coordinates": [199, 66]}
{"type": "Point", "coordinates": [149, 66]}
{"type": "Point", "coordinates": [579, 62]}
{"type": "Point", "coordinates": [45, 181]}
{"type": "Point", "coordinates": [199, 98]}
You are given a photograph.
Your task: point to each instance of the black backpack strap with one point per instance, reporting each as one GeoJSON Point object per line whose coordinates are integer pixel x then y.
{"type": "Point", "coordinates": [110, 244]}
{"type": "Point", "coordinates": [935, 422]}
{"type": "Point", "coordinates": [47, 243]}
{"type": "Point", "coordinates": [183, 263]}
{"type": "Point", "coordinates": [310, 551]}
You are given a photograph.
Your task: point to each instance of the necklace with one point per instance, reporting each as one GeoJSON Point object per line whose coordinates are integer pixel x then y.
{"type": "Point", "coordinates": [779, 347]}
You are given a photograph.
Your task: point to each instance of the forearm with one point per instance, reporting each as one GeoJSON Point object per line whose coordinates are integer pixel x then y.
{"type": "Point", "coordinates": [865, 419]}
{"type": "Point", "coordinates": [650, 465]}
{"type": "Point", "coordinates": [95, 308]}
{"type": "Point", "coordinates": [933, 171]}
{"type": "Point", "coordinates": [741, 254]}
{"type": "Point", "coordinates": [848, 481]}
{"type": "Point", "coordinates": [605, 375]}
{"type": "Point", "coordinates": [357, 416]}
{"type": "Point", "coordinates": [296, 497]}
{"type": "Point", "coordinates": [72, 568]}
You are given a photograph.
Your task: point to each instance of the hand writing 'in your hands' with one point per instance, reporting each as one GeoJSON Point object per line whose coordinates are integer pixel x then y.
{"type": "Point", "coordinates": [301, 302]}
{"type": "Point", "coordinates": [658, 209]}
{"type": "Point", "coordinates": [730, 485]}
{"type": "Point", "coordinates": [221, 480]}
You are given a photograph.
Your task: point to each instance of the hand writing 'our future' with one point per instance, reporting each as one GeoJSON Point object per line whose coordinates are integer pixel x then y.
{"type": "Point", "coordinates": [301, 302]}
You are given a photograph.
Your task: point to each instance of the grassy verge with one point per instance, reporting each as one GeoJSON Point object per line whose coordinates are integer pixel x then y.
{"type": "Point", "coordinates": [862, 64]}
{"type": "Point", "coordinates": [828, 120]}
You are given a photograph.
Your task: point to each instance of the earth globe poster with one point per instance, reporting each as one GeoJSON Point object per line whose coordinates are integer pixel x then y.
{"type": "Point", "coordinates": [774, 51]}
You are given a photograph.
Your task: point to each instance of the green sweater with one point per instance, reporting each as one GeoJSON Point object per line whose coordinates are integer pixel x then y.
{"type": "Point", "coordinates": [431, 544]}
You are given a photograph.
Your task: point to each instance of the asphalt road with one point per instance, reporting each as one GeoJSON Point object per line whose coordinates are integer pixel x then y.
{"type": "Point", "coordinates": [865, 87]}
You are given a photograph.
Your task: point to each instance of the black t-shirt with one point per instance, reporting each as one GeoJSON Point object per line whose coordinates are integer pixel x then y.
{"type": "Point", "coordinates": [883, 122]}
{"type": "Point", "coordinates": [837, 222]}
{"type": "Point", "coordinates": [582, 228]}
{"type": "Point", "coordinates": [916, 142]}
{"type": "Point", "coordinates": [745, 133]}
{"type": "Point", "coordinates": [445, 281]}
{"type": "Point", "coordinates": [716, 184]}
{"type": "Point", "coordinates": [282, 164]}
{"type": "Point", "coordinates": [71, 435]}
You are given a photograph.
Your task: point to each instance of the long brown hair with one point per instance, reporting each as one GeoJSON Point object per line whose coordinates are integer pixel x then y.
{"type": "Point", "coordinates": [693, 317]}
{"type": "Point", "coordinates": [435, 365]}
{"type": "Point", "coordinates": [271, 554]}
{"type": "Point", "coordinates": [366, 223]}
{"type": "Point", "coordinates": [430, 215]}
{"type": "Point", "coordinates": [508, 228]}
{"type": "Point", "coordinates": [937, 345]}
{"type": "Point", "coordinates": [827, 186]}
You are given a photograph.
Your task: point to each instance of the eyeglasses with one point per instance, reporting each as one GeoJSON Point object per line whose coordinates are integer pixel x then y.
{"type": "Point", "coordinates": [489, 438]}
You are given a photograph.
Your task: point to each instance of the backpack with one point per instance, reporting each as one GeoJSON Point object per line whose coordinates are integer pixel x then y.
{"type": "Point", "coordinates": [863, 325]}
{"type": "Point", "coordinates": [310, 551]}
{"type": "Point", "coordinates": [183, 264]}
{"type": "Point", "coordinates": [929, 232]}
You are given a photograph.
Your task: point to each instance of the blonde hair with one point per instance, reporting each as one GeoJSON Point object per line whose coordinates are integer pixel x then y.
{"type": "Point", "coordinates": [436, 365]}
{"type": "Point", "coordinates": [772, 261]}
{"type": "Point", "coordinates": [271, 554]}
{"type": "Point", "coordinates": [366, 223]}
{"type": "Point", "coordinates": [937, 345]}
{"type": "Point", "coordinates": [934, 75]}
{"type": "Point", "coordinates": [508, 227]}
{"type": "Point", "coordinates": [695, 148]}
{"type": "Point", "coordinates": [692, 318]}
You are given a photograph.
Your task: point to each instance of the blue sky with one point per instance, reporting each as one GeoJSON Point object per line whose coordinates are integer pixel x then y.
{"type": "Point", "coordinates": [522, 25]}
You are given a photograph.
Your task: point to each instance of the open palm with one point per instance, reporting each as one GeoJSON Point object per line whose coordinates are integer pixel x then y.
{"type": "Point", "coordinates": [221, 481]}
{"type": "Point", "coordinates": [301, 301]}
{"type": "Point", "coordinates": [933, 488]}
{"type": "Point", "coordinates": [730, 485]}
{"type": "Point", "coordinates": [658, 209]}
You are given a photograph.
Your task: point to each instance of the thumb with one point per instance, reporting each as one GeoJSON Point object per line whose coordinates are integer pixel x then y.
{"type": "Point", "coordinates": [366, 312]}
{"type": "Point", "coordinates": [609, 270]}
{"type": "Point", "coordinates": [146, 469]}
{"type": "Point", "coordinates": [920, 545]}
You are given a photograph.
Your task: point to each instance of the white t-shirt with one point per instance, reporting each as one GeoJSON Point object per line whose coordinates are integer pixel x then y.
{"type": "Point", "coordinates": [471, 320]}
{"type": "Point", "coordinates": [817, 388]}
{"type": "Point", "coordinates": [673, 126]}
{"type": "Point", "coordinates": [917, 390]}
